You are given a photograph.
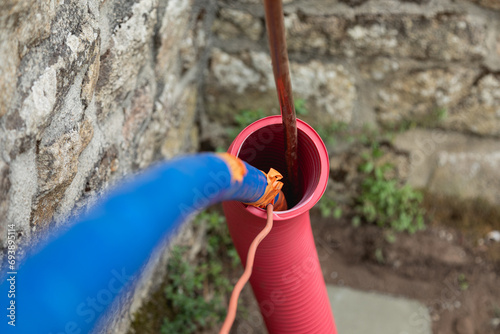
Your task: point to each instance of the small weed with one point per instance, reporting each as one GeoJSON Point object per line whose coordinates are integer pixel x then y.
{"type": "Point", "coordinates": [330, 131]}
{"type": "Point", "coordinates": [193, 291]}
{"type": "Point", "coordinates": [356, 221]}
{"type": "Point", "coordinates": [433, 119]}
{"type": "Point", "coordinates": [405, 125]}
{"type": "Point", "coordinates": [329, 208]}
{"type": "Point", "coordinates": [368, 135]}
{"type": "Point", "coordinates": [384, 201]}
{"type": "Point", "coordinates": [243, 119]}
{"type": "Point", "coordinates": [300, 107]}
{"type": "Point", "coordinates": [376, 151]}
{"type": "Point", "coordinates": [379, 255]}
{"type": "Point", "coordinates": [337, 213]}
{"type": "Point", "coordinates": [390, 237]}
{"type": "Point", "coordinates": [441, 114]}
{"type": "Point", "coordinates": [462, 282]}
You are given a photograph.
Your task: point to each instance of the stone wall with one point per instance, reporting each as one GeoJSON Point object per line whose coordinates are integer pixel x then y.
{"type": "Point", "coordinates": [388, 63]}
{"type": "Point", "coordinates": [92, 91]}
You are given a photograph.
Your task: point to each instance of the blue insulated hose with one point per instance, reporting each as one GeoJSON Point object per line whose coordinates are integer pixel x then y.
{"type": "Point", "coordinates": [66, 286]}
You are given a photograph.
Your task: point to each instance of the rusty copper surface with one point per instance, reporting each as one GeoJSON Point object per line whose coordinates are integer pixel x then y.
{"type": "Point", "coordinates": [279, 55]}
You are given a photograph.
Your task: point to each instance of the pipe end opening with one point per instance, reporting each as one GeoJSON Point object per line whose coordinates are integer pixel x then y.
{"type": "Point", "coordinates": [264, 148]}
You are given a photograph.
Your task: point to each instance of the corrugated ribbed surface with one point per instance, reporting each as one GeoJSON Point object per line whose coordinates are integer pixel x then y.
{"type": "Point", "coordinates": [287, 279]}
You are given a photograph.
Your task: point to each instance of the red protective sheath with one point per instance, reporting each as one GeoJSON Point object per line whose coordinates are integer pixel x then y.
{"type": "Point", "coordinates": [287, 279]}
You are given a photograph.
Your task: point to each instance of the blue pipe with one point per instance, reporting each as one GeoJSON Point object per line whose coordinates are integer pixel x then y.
{"type": "Point", "coordinates": [65, 286]}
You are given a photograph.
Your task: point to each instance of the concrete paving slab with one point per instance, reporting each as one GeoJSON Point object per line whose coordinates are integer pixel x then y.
{"type": "Point", "coordinates": [359, 312]}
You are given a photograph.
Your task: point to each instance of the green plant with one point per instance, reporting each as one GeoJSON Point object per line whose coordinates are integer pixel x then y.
{"type": "Point", "coordinates": [329, 208]}
{"type": "Point", "coordinates": [193, 291]}
{"type": "Point", "coordinates": [441, 114]}
{"type": "Point", "coordinates": [219, 243]}
{"type": "Point", "coordinates": [356, 221]}
{"type": "Point", "coordinates": [300, 107]}
{"type": "Point", "coordinates": [244, 118]}
{"type": "Point", "coordinates": [404, 126]}
{"type": "Point", "coordinates": [390, 237]}
{"type": "Point", "coordinates": [368, 135]}
{"type": "Point", "coordinates": [191, 310]}
{"type": "Point", "coordinates": [329, 131]}
{"type": "Point", "coordinates": [462, 282]}
{"type": "Point", "coordinates": [379, 255]}
{"type": "Point", "coordinates": [387, 203]}
{"type": "Point", "coordinates": [433, 119]}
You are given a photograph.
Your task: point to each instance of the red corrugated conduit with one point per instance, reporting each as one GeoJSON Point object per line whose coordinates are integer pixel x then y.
{"type": "Point", "coordinates": [287, 279]}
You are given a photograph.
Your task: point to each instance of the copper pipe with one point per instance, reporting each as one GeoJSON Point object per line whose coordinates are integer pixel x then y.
{"type": "Point", "coordinates": [279, 55]}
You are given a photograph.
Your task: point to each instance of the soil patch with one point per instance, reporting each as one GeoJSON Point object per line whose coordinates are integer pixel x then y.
{"type": "Point", "coordinates": [442, 267]}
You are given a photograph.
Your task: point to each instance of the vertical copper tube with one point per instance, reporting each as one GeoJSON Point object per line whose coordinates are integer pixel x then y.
{"type": "Point", "coordinates": [279, 55]}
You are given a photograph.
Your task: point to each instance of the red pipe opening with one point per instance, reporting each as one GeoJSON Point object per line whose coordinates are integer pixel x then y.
{"type": "Point", "coordinates": [287, 279]}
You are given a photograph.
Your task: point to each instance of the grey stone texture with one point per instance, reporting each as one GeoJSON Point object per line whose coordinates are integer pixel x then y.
{"type": "Point", "coordinates": [382, 61]}
{"type": "Point", "coordinates": [454, 164]}
{"type": "Point", "coordinates": [245, 82]}
{"type": "Point", "coordinates": [92, 92]}
{"type": "Point", "coordinates": [493, 4]}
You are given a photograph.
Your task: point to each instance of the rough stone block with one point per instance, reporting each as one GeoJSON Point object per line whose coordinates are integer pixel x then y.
{"type": "Point", "coordinates": [379, 69]}
{"type": "Point", "coordinates": [453, 164]}
{"type": "Point", "coordinates": [128, 43]}
{"type": "Point", "coordinates": [4, 200]}
{"type": "Point", "coordinates": [442, 37]}
{"type": "Point", "coordinates": [493, 4]}
{"type": "Point", "coordinates": [57, 165]}
{"type": "Point", "coordinates": [419, 94]}
{"type": "Point", "coordinates": [232, 22]}
{"type": "Point", "coordinates": [22, 27]}
{"type": "Point", "coordinates": [245, 81]}
{"type": "Point", "coordinates": [89, 92]}
{"type": "Point", "coordinates": [479, 111]}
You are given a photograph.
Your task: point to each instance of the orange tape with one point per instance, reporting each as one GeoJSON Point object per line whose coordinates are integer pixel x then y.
{"type": "Point", "coordinates": [273, 188]}
{"type": "Point", "coordinates": [281, 204]}
{"type": "Point", "coordinates": [238, 171]}
{"type": "Point", "coordinates": [236, 166]}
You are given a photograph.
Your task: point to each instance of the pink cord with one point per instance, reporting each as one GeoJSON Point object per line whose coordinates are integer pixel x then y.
{"type": "Point", "coordinates": [233, 302]}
